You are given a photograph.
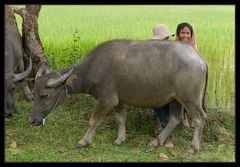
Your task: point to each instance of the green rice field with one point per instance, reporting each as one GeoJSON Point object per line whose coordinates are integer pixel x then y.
{"type": "Point", "coordinates": [69, 32]}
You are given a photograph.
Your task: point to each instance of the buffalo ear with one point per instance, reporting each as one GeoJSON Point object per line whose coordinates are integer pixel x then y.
{"type": "Point", "coordinates": [70, 80]}
{"type": "Point", "coordinates": [44, 69]}
{"type": "Point", "coordinates": [58, 81]}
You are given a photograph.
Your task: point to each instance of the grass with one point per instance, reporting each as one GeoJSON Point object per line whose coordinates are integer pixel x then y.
{"type": "Point", "coordinates": [55, 142]}
{"type": "Point", "coordinates": [84, 28]}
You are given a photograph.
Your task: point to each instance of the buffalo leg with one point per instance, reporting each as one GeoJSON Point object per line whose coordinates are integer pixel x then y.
{"type": "Point", "coordinates": [101, 108]}
{"type": "Point", "coordinates": [174, 119]}
{"type": "Point", "coordinates": [9, 104]}
{"type": "Point", "coordinates": [198, 117]}
{"type": "Point", "coordinates": [120, 115]}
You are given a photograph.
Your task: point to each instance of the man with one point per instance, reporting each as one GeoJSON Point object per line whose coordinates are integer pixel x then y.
{"type": "Point", "coordinates": [161, 32]}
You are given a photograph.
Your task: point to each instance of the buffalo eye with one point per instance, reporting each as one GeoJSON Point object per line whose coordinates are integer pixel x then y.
{"type": "Point", "coordinates": [44, 95]}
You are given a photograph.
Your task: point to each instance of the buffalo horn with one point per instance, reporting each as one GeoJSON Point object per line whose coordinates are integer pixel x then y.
{"type": "Point", "coordinates": [60, 80]}
{"type": "Point", "coordinates": [20, 76]}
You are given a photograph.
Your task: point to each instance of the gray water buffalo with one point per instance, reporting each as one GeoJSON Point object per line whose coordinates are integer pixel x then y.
{"type": "Point", "coordinates": [13, 62]}
{"type": "Point", "coordinates": [138, 73]}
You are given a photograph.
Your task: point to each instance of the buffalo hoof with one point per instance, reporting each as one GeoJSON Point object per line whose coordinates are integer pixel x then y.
{"type": "Point", "coordinates": [153, 144]}
{"type": "Point", "coordinates": [118, 142]}
{"type": "Point", "coordinates": [79, 146]}
{"type": "Point", "coordinates": [190, 151]}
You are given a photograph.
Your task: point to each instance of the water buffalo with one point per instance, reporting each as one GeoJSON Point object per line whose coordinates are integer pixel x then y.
{"type": "Point", "coordinates": [13, 62]}
{"type": "Point", "coordinates": [138, 73]}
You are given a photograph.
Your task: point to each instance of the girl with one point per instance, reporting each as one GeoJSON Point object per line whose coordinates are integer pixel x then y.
{"type": "Point", "coordinates": [185, 33]}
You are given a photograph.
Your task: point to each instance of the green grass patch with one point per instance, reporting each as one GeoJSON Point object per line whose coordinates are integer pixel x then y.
{"type": "Point", "coordinates": [56, 140]}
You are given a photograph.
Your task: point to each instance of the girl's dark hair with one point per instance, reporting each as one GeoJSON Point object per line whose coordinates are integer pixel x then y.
{"type": "Point", "coordinates": [183, 25]}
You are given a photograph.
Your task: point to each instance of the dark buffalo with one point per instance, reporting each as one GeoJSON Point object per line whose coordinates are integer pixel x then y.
{"type": "Point", "coordinates": [137, 73]}
{"type": "Point", "coordinates": [13, 57]}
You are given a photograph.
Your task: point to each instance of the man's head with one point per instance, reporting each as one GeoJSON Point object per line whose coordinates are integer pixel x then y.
{"type": "Point", "coordinates": [161, 32]}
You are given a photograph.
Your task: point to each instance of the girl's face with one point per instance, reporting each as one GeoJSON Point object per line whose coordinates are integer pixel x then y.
{"type": "Point", "coordinates": [185, 34]}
